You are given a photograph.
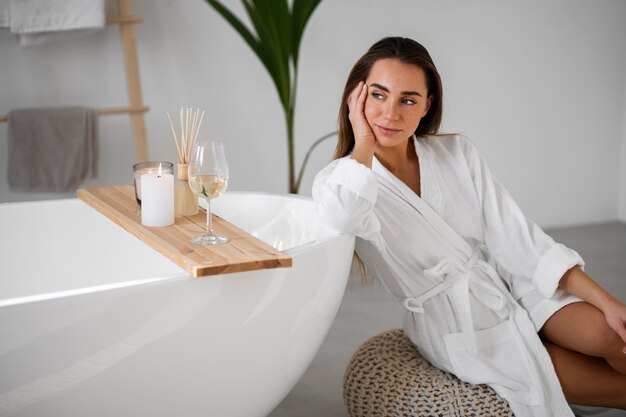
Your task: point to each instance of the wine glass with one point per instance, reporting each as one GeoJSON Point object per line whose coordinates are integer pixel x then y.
{"type": "Point", "coordinates": [208, 179]}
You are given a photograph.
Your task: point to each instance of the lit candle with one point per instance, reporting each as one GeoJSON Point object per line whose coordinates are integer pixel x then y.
{"type": "Point", "coordinates": [143, 168]}
{"type": "Point", "coordinates": [157, 199]}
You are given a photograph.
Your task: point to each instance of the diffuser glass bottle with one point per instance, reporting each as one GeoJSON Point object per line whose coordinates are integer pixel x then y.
{"type": "Point", "coordinates": [186, 203]}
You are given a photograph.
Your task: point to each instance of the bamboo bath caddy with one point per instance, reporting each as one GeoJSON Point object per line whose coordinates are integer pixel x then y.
{"type": "Point", "coordinates": [244, 252]}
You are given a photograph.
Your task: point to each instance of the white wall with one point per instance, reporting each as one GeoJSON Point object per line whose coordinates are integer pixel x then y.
{"type": "Point", "coordinates": [622, 208]}
{"type": "Point", "coordinates": [538, 85]}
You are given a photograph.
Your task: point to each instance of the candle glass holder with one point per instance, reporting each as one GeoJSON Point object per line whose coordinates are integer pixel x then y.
{"type": "Point", "coordinates": [152, 167]}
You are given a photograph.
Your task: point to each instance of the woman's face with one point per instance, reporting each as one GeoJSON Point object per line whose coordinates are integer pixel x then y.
{"type": "Point", "coordinates": [396, 102]}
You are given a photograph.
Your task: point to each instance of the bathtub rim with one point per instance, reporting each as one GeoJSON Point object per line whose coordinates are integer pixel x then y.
{"type": "Point", "coordinates": [47, 296]}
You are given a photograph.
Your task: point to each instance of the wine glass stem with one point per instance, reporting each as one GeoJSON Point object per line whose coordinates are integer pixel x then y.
{"type": "Point", "coordinates": [209, 222]}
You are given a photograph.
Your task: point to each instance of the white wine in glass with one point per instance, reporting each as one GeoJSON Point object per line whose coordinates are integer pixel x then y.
{"type": "Point", "coordinates": [208, 179]}
{"type": "Point", "coordinates": [208, 186]}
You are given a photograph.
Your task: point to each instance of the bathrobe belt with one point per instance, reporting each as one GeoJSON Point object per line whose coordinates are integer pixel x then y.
{"type": "Point", "coordinates": [463, 282]}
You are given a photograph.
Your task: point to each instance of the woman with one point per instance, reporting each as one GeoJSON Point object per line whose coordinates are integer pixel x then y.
{"type": "Point", "coordinates": [489, 296]}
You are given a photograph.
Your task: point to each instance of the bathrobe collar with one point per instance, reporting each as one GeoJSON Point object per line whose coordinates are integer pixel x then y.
{"type": "Point", "coordinates": [397, 187]}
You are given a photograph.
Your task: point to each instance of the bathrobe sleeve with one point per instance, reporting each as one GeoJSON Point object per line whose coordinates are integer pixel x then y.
{"type": "Point", "coordinates": [516, 243]}
{"type": "Point", "coordinates": [345, 193]}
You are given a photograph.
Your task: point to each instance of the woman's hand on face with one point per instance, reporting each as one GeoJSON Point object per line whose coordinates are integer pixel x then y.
{"type": "Point", "coordinates": [363, 135]}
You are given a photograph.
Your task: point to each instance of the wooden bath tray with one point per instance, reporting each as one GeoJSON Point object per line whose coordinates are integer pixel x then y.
{"type": "Point", "coordinates": [244, 252]}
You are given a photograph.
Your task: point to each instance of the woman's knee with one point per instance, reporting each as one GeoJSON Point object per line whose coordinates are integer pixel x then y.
{"type": "Point", "coordinates": [610, 345]}
{"type": "Point", "coordinates": [615, 356]}
{"type": "Point", "coordinates": [581, 327]}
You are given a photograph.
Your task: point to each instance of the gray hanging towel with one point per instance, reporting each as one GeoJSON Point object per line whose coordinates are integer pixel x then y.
{"type": "Point", "coordinates": [51, 149]}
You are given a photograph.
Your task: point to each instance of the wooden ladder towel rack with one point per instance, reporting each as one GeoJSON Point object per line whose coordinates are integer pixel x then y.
{"type": "Point", "coordinates": [136, 108]}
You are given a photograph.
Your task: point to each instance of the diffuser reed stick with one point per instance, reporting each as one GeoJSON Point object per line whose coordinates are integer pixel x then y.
{"type": "Point", "coordinates": [190, 122]}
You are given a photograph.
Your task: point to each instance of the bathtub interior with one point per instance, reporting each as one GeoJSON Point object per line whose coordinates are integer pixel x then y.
{"type": "Point", "coordinates": [287, 222]}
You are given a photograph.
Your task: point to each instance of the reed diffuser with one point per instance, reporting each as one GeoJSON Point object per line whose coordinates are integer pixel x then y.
{"type": "Point", "coordinates": [185, 202]}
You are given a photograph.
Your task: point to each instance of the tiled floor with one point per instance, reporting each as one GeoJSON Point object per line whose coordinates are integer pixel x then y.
{"type": "Point", "coordinates": [366, 311]}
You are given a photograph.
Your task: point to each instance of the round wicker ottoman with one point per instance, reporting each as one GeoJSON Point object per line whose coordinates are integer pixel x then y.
{"type": "Point", "coordinates": [388, 377]}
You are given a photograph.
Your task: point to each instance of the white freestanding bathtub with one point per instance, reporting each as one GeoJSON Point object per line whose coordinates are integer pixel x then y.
{"type": "Point", "coordinates": [93, 322]}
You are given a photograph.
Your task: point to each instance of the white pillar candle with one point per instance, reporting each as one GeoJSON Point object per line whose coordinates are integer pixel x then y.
{"type": "Point", "coordinates": [138, 174]}
{"type": "Point", "coordinates": [157, 199]}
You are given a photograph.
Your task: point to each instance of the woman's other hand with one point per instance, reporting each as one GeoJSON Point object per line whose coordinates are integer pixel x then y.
{"type": "Point", "coordinates": [364, 138]}
{"type": "Point", "coordinates": [616, 319]}
{"type": "Point", "coordinates": [577, 282]}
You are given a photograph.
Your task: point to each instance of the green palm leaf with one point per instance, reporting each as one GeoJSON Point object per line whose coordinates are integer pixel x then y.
{"type": "Point", "coordinates": [301, 12]}
{"type": "Point", "coordinates": [270, 18]}
{"type": "Point", "coordinates": [276, 43]}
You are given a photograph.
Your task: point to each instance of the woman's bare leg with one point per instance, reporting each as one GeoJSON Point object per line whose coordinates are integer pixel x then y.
{"type": "Point", "coordinates": [587, 355]}
{"type": "Point", "coordinates": [587, 380]}
{"type": "Point", "coordinates": [582, 328]}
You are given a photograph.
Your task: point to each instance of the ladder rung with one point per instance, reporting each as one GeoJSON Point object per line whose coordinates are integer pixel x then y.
{"type": "Point", "coordinates": [122, 20]}
{"type": "Point", "coordinates": [106, 111]}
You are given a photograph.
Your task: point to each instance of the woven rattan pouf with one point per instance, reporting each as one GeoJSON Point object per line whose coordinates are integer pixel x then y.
{"type": "Point", "coordinates": [388, 377]}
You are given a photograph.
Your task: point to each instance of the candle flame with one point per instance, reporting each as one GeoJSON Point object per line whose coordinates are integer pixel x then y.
{"type": "Point", "coordinates": [159, 176]}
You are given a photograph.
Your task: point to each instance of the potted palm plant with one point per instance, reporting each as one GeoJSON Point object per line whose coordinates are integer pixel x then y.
{"type": "Point", "coordinates": [279, 29]}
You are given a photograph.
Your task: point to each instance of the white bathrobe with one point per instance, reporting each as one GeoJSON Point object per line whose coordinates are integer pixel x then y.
{"type": "Point", "coordinates": [477, 278]}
